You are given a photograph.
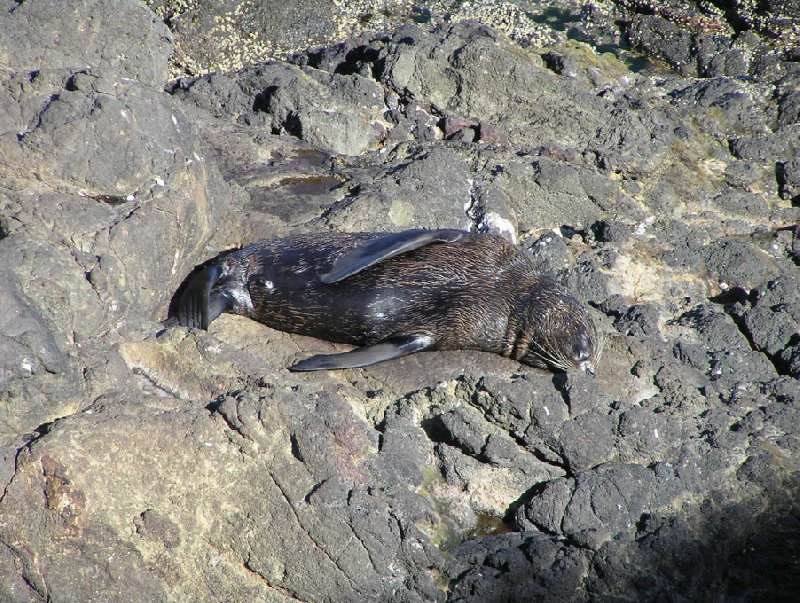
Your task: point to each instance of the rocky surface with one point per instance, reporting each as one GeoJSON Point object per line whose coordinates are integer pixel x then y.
{"type": "Point", "coordinates": [646, 154]}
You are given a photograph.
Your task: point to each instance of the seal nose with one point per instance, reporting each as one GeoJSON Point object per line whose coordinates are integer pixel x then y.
{"type": "Point", "coordinates": [580, 350]}
{"type": "Point", "coordinates": [582, 354]}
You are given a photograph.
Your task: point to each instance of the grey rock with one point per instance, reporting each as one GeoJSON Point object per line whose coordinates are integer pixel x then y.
{"type": "Point", "coordinates": [640, 320]}
{"type": "Point", "coordinates": [677, 550]}
{"type": "Point", "coordinates": [789, 109]}
{"type": "Point", "coordinates": [30, 347]}
{"type": "Point", "coordinates": [120, 39]}
{"type": "Point", "coordinates": [716, 329]}
{"type": "Point", "coordinates": [611, 231]}
{"type": "Point", "coordinates": [462, 427]}
{"type": "Point", "coordinates": [770, 330]}
{"type": "Point", "coordinates": [420, 186]}
{"type": "Point", "coordinates": [342, 113]}
{"type": "Point", "coordinates": [746, 175]}
{"type": "Point", "coordinates": [742, 203]}
{"type": "Point", "coordinates": [545, 511]}
{"type": "Point", "coordinates": [109, 137]}
{"type": "Point", "coordinates": [773, 323]}
{"type": "Point", "coordinates": [680, 386]}
{"type": "Point", "coordinates": [514, 567]}
{"type": "Point", "coordinates": [728, 348]}
{"type": "Point", "coordinates": [213, 37]}
{"type": "Point", "coordinates": [775, 17]}
{"type": "Point", "coordinates": [738, 262]}
{"type": "Point", "coordinates": [34, 362]}
{"type": "Point", "coordinates": [582, 393]}
{"type": "Point", "coordinates": [647, 433]}
{"type": "Point", "coordinates": [780, 145]}
{"type": "Point", "coordinates": [692, 354]}
{"type": "Point", "coordinates": [404, 449]}
{"type": "Point", "coordinates": [789, 179]}
{"type": "Point", "coordinates": [551, 252]}
{"type": "Point", "coordinates": [447, 71]}
{"type": "Point", "coordinates": [661, 38]}
{"type": "Point", "coordinates": [510, 405]}
{"type": "Point", "coordinates": [735, 100]}
{"type": "Point", "coordinates": [588, 440]}
{"type": "Point", "coordinates": [593, 507]}
{"type": "Point", "coordinates": [325, 473]}
{"type": "Point", "coordinates": [716, 56]}
{"type": "Point", "coordinates": [591, 283]}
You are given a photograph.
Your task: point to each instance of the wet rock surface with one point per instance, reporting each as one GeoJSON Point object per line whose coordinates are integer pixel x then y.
{"type": "Point", "coordinates": [645, 156]}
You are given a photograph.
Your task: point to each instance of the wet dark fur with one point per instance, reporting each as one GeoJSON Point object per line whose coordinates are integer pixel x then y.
{"type": "Point", "coordinates": [479, 293]}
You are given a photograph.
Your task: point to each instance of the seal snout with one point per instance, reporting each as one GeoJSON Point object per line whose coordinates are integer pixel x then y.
{"type": "Point", "coordinates": [584, 352]}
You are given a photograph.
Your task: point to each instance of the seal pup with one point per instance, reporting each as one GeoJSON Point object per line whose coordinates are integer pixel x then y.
{"type": "Point", "coordinates": [395, 294]}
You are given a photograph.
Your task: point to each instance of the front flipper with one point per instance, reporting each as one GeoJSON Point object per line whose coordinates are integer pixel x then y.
{"type": "Point", "coordinates": [199, 306]}
{"type": "Point", "coordinates": [385, 247]}
{"type": "Point", "coordinates": [393, 347]}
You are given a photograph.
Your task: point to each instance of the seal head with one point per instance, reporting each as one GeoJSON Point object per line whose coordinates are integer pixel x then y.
{"type": "Point", "coordinates": [555, 330]}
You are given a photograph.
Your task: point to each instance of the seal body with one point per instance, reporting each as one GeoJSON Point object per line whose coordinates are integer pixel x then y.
{"type": "Point", "coordinates": [395, 294]}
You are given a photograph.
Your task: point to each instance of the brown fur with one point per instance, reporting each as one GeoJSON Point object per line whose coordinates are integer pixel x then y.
{"type": "Point", "coordinates": [479, 293]}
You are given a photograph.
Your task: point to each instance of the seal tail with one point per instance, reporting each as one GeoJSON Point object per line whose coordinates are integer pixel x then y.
{"type": "Point", "coordinates": [198, 305]}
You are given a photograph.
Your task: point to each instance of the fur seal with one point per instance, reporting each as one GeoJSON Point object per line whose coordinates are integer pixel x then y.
{"type": "Point", "coordinates": [395, 294]}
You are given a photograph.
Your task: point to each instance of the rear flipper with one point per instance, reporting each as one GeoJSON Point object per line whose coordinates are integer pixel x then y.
{"type": "Point", "coordinates": [393, 347]}
{"type": "Point", "coordinates": [198, 305]}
